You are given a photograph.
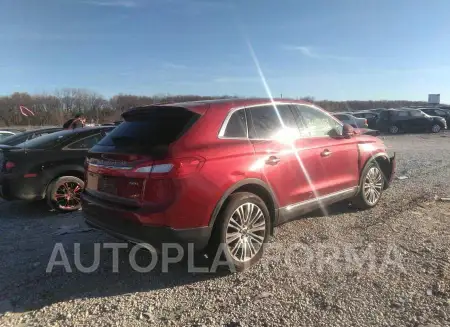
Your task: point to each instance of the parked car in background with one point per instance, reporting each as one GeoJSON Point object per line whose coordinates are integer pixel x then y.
{"type": "Point", "coordinates": [439, 113]}
{"type": "Point", "coordinates": [370, 116]}
{"type": "Point", "coordinates": [377, 110]}
{"type": "Point", "coordinates": [28, 135]}
{"type": "Point", "coordinates": [409, 120]}
{"type": "Point", "coordinates": [7, 132]}
{"type": "Point", "coordinates": [48, 167]}
{"type": "Point", "coordinates": [225, 172]}
{"type": "Point", "coordinates": [350, 119]}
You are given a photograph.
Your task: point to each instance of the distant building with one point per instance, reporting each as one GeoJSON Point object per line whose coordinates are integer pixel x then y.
{"type": "Point", "coordinates": [434, 98]}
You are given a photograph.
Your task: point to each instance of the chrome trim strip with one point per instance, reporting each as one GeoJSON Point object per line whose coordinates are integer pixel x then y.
{"type": "Point", "coordinates": [109, 167]}
{"type": "Point", "coordinates": [321, 198]}
{"type": "Point", "coordinates": [233, 110]}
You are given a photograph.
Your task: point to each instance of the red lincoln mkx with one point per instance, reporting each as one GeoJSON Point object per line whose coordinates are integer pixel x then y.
{"type": "Point", "coordinates": [226, 172]}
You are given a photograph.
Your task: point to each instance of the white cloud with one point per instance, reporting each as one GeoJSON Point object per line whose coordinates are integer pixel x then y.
{"type": "Point", "coordinates": [174, 66]}
{"type": "Point", "coordinates": [112, 3]}
{"type": "Point", "coordinates": [312, 52]}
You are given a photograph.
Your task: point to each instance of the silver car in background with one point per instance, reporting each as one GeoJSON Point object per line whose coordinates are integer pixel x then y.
{"type": "Point", "coordinates": [347, 118]}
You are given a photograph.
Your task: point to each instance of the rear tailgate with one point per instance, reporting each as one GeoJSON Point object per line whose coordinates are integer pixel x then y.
{"type": "Point", "coordinates": [130, 163]}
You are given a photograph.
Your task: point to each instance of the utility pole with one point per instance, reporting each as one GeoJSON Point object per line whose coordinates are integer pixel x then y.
{"type": "Point", "coordinates": [281, 96]}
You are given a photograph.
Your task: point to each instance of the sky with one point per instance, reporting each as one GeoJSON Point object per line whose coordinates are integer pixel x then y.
{"type": "Point", "coordinates": [327, 49]}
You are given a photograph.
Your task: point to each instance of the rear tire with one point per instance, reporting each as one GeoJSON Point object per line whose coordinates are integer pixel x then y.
{"type": "Point", "coordinates": [394, 129]}
{"type": "Point", "coordinates": [435, 128]}
{"type": "Point", "coordinates": [240, 232]}
{"type": "Point", "coordinates": [63, 194]}
{"type": "Point", "coordinates": [371, 187]}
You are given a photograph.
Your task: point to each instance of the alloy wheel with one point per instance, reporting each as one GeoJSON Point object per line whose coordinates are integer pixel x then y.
{"type": "Point", "coordinates": [245, 232]}
{"type": "Point", "coordinates": [68, 195]}
{"type": "Point", "coordinates": [393, 129]}
{"type": "Point", "coordinates": [435, 128]}
{"type": "Point", "coordinates": [373, 185]}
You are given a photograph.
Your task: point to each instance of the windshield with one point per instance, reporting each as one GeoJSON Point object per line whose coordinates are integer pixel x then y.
{"type": "Point", "coordinates": [48, 141]}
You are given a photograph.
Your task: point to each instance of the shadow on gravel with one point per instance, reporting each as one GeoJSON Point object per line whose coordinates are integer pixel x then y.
{"type": "Point", "coordinates": [332, 210]}
{"type": "Point", "coordinates": [37, 288]}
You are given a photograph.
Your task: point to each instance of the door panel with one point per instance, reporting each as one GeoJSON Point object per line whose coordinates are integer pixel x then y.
{"type": "Point", "coordinates": [276, 152]}
{"type": "Point", "coordinates": [334, 160]}
{"type": "Point", "coordinates": [284, 174]}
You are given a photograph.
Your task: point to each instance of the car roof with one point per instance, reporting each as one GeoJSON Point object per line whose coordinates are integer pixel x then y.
{"type": "Point", "coordinates": [202, 105]}
{"type": "Point", "coordinates": [43, 129]}
{"type": "Point", "coordinates": [342, 113]}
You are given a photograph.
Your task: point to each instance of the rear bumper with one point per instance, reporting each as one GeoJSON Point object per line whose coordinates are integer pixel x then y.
{"type": "Point", "coordinates": [13, 187]}
{"type": "Point", "coordinates": [120, 223]}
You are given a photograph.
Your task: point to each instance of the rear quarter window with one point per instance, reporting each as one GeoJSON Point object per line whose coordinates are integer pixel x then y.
{"type": "Point", "coordinates": [237, 125]}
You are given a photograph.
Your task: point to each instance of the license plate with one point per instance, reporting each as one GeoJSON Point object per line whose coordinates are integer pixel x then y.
{"type": "Point", "coordinates": [107, 185]}
{"type": "Point", "coordinates": [101, 183]}
{"type": "Point", "coordinates": [92, 181]}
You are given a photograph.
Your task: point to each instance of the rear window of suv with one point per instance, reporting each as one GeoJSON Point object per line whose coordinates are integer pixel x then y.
{"type": "Point", "coordinates": [146, 128]}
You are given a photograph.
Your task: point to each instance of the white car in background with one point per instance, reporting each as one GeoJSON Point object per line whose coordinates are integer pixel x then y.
{"type": "Point", "coordinates": [4, 133]}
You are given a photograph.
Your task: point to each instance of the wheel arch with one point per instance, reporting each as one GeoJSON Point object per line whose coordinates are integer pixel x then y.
{"type": "Point", "coordinates": [69, 170]}
{"type": "Point", "coordinates": [251, 185]}
{"type": "Point", "coordinates": [383, 161]}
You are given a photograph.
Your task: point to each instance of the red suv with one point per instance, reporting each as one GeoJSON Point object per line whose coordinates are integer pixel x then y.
{"type": "Point", "coordinates": [225, 172]}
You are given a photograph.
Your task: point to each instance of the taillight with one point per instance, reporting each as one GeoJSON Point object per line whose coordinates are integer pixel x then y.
{"type": "Point", "coordinates": [177, 168]}
{"type": "Point", "coordinates": [9, 165]}
{"type": "Point", "coordinates": [365, 121]}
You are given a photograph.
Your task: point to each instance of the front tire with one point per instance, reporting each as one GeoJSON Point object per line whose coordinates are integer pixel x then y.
{"type": "Point", "coordinates": [241, 230]}
{"type": "Point", "coordinates": [63, 194]}
{"type": "Point", "coordinates": [435, 128]}
{"type": "Point", "coordinates": [371, 187]}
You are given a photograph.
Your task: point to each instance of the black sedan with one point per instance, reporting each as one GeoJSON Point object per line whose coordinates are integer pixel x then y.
{"type": "Point", "coordinates": [409, 120]}
{"type": "Point", "coordinates": [48, 167]}
{"type": "Point", "coordinates": [444, 113]}
{"type": "Point", "coordinates": [28, 135]}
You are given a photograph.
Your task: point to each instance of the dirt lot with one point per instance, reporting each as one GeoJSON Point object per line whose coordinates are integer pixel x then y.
{"type": "Point", "coordinates": [389, 266]}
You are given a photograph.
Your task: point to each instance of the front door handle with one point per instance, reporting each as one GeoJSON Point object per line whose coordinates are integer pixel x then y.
{"type": "Point", "coordinates": [325, 153]}
{"type": "Point", "coordinates": [272, 160]}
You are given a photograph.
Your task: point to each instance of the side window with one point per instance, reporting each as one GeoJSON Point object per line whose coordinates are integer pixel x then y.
{"type": "Point", "coordinates": [316, 123]}
{"type": "Point", "coordinates": [264, 122]}
{"type": "Point", "coordinates": [416, 113]}
{"type": "Point", "coordinates": [341, 117]}
{"type": "Point", "coordinates": [402, 114]}
{"type": "Point", "coordinates": [237, 125]}
{"type": "Point", "coordinates": [86, 143]}
{"type": "Point", "coordinates": [438, 112]}
{"type": "Point", "coordinates": [385, 115]}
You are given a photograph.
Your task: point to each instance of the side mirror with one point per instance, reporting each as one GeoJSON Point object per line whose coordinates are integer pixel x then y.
{"type": "Point", "coordinates": [348, 131]}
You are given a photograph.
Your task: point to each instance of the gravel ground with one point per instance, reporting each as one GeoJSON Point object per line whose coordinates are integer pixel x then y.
{"type": "Point", "coordinates": [389, 266]}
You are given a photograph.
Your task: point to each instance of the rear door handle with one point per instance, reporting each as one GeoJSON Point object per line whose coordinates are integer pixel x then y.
{"type": "Point", "coordinates": [272, 160]}
{"type": "Point", "coordinates": [325, 153]}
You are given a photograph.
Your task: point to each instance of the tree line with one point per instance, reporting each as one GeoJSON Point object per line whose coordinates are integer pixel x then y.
{"type": "Point", "coordinates": [56, 108]}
